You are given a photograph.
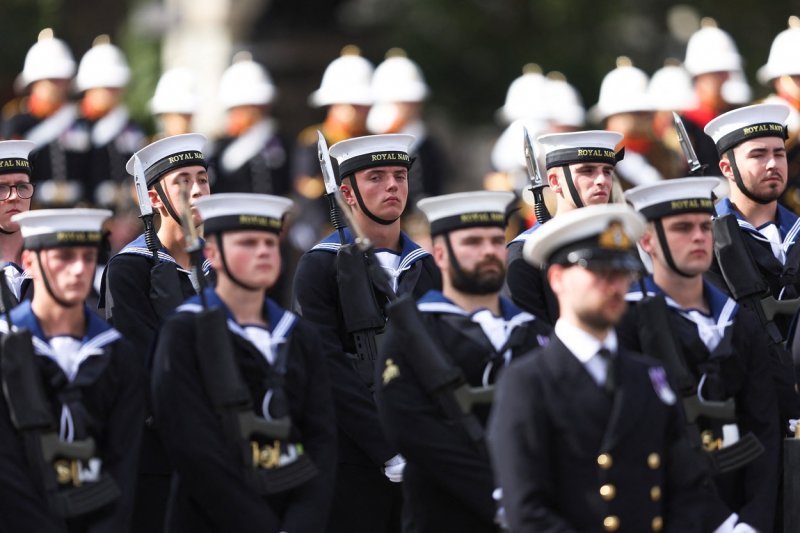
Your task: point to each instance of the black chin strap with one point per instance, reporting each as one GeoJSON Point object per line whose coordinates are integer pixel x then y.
{"type": "Point", "coordinates": [379, 220]}
{"type": "Point", "coordinates": [227, 270]}
{"type": "Point", "coordinates": [740, 184]}
{"type": "Point", "coordinates": [662, 240]}
{"type": "Point", "coordinates": [576, 198]}
{"type": "Point", "coordinates": [47, 286]}
{"type": "Point", "coordinates": [453, 260]}
{"type": "Point", "coordinates": [167, 204]}
{"type": "Point", "coordinates": [4, 232]}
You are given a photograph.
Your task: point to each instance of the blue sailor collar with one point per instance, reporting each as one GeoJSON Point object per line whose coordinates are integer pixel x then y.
{"type": "Point", "coordinates": [524, 235]}
{"type": "Point", "coordinates": [435, 302]}
{"type": "Point", "coordinates": [723, 308]}
{"type": "Point", "coordinates": [13, 265]}
{"type": "Point", "coordinates": [410, 253]}
{"type": "Point", "coordinates": [98, 333]}
{"type": "Point", "coordinates": [787, 222]}
{"type": "Point", "coordinates": [139, 247]}
{"type": "Point", "coordinates": [280, 322]}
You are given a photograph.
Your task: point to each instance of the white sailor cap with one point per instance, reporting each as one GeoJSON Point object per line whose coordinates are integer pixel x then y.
{"type": "Point", "coordinates": [53, 228]}
{"type": "Point", "coordinates": [735, 127]}
{"type": "Point", "coordinates": [596, 236]}
{"type": "Point", "coordinates": [594, 146]}
{"type": "Point", "coordinates": [170, 153]}
{"type": "Point", "coordinates": [242, 211]}
{"type": "Point", "coordinates": [466, 210]}
{"type": "Point", "coordinates": [14, 157]}
{"type": "Point", "coordinates": [673, 197]}
{"type": "Point", "coordinates": [370, 151]}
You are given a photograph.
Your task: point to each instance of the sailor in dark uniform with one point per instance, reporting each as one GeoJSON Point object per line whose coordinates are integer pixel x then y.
{"type": "Point", "coordinates": [586, 435]}
{"type": "Point", "coordinates": [448, 482]}
{"type": "Point", "coordinates": [252, 156]}
{"type": "Point", "coordinates": [286, 482]}
{"type": "Point", "coordinates": [68, 458]}
{"type": "Point", "coordinates": [139, 291]}
{"type": "Point", "coordinates": [45, 113]}
{"type": "Point", "coordinates": [719, 346]}
{"type": "Point", "coordinates": [580, 168]}
{"type": "Point", "coordinates": [103, 137]}
{"type": "Point", "coordinates": [16, 191]}
{"type": "Point", "coordinates": [750, 141]}
{"type": "Point", "coordinates": [374, 183]}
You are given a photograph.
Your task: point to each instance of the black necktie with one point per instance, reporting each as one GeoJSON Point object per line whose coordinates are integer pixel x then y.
{"type": "Point", "coordinates": [610, 378]}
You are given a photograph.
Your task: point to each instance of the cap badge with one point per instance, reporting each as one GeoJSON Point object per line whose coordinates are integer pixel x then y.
{"type": "Point", "coordinates": [614, 238]}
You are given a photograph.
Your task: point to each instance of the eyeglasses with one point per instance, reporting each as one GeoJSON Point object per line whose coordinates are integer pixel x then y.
{"type": "Point", "coordinates": [24, 191]}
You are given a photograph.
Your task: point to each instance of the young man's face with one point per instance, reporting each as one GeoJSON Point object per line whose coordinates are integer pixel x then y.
{"type": "Point", "coordinates": [253, 257]}
{"type": "Point", "coordinates": [384, 191]}
{"type": "Point", "coordinates": [481, 256]}
{"type": "Point", "coordinates": [195, 179]}
{"type": "Point", "coordinates": [14, 204]}
{"type": "Point", "coordinates": [763, 167]}
{"type": "Point", "coordinates": [690, 240]}
{"type": "Point", "coordinates": [69, 270]}
{"type": "Point", "coordinates": [595, 297]}
{"type": "Point", "coordinates": [593, 182]}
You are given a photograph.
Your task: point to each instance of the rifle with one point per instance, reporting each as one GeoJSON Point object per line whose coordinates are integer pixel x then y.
{"type": "Point", "coordinates": [330, 186]}
{"type": "Point", "coordinates": [743, 279]}
{"type": "Point", "coordinates": [791, 482]}
{"type": "Point", "coordinates": [439, 377]}
{"type": "Point", "coordinates": [230, 396]}
{"type": "Point", "coordinates": [657, 340]}
{"type": "Point", "coordinates": [695, 167]}
{"type": "Point", "coordinates": [537, 183]}
{"type": "Point", "coordinates": [56, 464]}
{"type": "Point", "coordinates": [165, 285]}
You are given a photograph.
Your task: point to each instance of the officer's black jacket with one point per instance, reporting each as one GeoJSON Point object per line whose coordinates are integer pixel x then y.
{"type": "Point", "coordinates": [106, 396]}
{"type": "Point", "coordinates": [448, 481]}
{"type": "Point", "coordinates": [209, 491]}
{"type": "Point", "coordinates": [550, 426]}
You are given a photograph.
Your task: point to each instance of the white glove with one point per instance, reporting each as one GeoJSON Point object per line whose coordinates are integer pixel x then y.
{"type": "Point", "coordinates": [393, 468]}
{"type": "Point", "coordinates": [793, 425]}
{"type": "Point", "coordinates": [741, 527]}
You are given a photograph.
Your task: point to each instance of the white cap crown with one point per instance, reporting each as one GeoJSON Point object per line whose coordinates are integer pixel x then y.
{"type": "Point", "coordinates": [675, 196]}
{"type": "Point", "coordinates": [398, 79]}
{"type": "Point", "coordinates": [246, 82]}
{"type": "Point", "coordinates": [169, 153]}
{"type": "Point", "coordinates": [242, 211]}
{"type": "Point", "coordinates": [711, 49]}
{"type": "Point", "coordinates": [734, 127]}
{"type": "Point", "coordinates": [176, 92]}
{"type": "Point", "coordinates": [104, 65]}
{"type": "Point", "coordinates": [466, 209]}
{"type": "Point", "coordinates": [49, 58]}
{"type": "Point", "coordinates": [347, 80]}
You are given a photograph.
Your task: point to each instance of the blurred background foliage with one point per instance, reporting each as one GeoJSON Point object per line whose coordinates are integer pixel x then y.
{"type": "Point", "coordinates": [469, 50]}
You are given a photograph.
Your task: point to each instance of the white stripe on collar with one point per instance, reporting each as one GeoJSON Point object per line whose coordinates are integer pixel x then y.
{"type": "Point", "coordinates": [93, 346]}
{"type": "Point", "coordinates": [445, 307]}
{"type": "Point", "coordinates": [162, 256]}
{"type": "Point", "coordinates": [278, 333]}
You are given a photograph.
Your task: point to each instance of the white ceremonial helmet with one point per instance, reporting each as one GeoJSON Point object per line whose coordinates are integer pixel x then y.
{"type": "Point", "coordinates": [524, 97]}
{"type": "Point", "coordinates": [104, 65]}
{"type": "Point", "coordinates": [670, 88]}
{"type": "Point", "coordinates": [398, 79]}
{"type": "Point", "coordinates": [736, 90]}
{"type": "Point", "coordinates": [246, 82]}
{"type": "Point", "coordinates": [563, 102]}
{"type": "Point", "coordinates": [50, 58]}
{"type": "Point", "coordinates": [711, 49]}
{"type": "Point", "coordinates": [784, 59]}
{"type": "Point", "coordinates": [176, 92]}
{"type": "Point", "coordinates": [347, 80]}
{"type": "Point", "coordinates": [623, 90]}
